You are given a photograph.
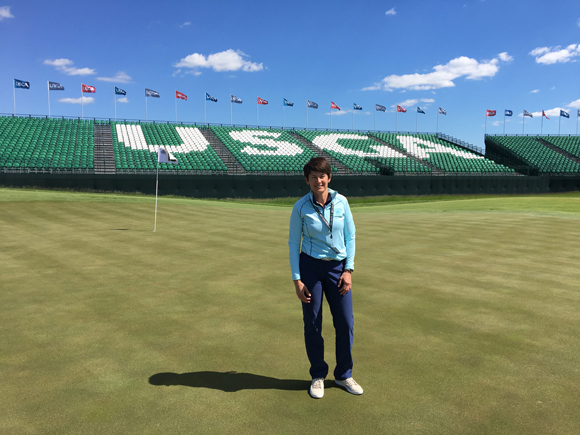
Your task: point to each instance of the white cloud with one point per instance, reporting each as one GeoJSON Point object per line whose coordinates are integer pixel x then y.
{"type": "Point", "coordinates": [575, 104]}
{"type": "Point", "coordinates": [391, 11]}
{"type": "Point", "coordinates": [120, 77]}
{"type": "Point", "coordinates": [578, 22]}
{"type": "Point", "coordinates": [551, 55]}
{"type": "Point", "coordinates": [535, 91]}
{"type": "Point", "coordinates": [228, 60]}
{"type": "Point", "coordinates": [374, 87]}
{"type": "Point", "coordinates": [187, 23]}
{"type": "Point", "coordinates": [85, 100]}
{"type": "Point", "coordinates": [122, 100]}
{"type": "Point", "coordinates": [505, 57]}
{"type": "Point", "coordinates": [412, 101]}
{"type": "Point", "coordinates": [5, 12]}
{"type": "Point", "coordinates": [66, 66]}
{"type": "Point", "coordinates": [443, 75]}
{"type": "Point", "coordinates": [497, 123]}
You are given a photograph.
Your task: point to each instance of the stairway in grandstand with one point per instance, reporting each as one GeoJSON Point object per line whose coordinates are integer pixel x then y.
{"type": "Point", "coordinates": [434, 169]}
{"type": "Point", "coordinates": [234, 167]}
{"type": "Point", "coordinates": [557, 148]}
{"type": "Point", "coordinates": [340, 168]}
{"type": "Point", "coordinates": [104, 157]}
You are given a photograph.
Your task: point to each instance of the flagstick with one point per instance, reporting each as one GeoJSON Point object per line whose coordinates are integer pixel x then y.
{"type": "Point", "coordinates": [257, 114]}
{"type": "Point", "coordinates": [82, 104]}
{"type": "Point", "coordinates": [578, 116]}
{"type": "Point", "coordinates": [231, 110]}
{"type": "Point", "coordinates": [524, 123]}
{"type": "Point", "coordinates": [504, 121]}
{"type": "Point", "coordinates": [176, 106]}
{"type": "Point", "coordinates": [559, 122]}
{"type": "Point", "coordinates": [417, 122]}
{"type": "Point", "coordinates": [14, 95]}
{"type": "Point", "coordinates": [375, 118]}
{"type": "Point", "coordinates": [307, 115]}
{"type": "Point", "coordinates": [437, 129]}
{"type": "Point", "coordinates": [145, 108]}
{"type": "Point", "coordinates": [485, 131]}
{"type": "Point", "coordinates": [283, 115]}
{"type": "Point", "coordinates": [353, 118]}
{"type": "Point", "coordinates": [115, 99]}
{"type": "Point", "coordinates": [542, 124]}
{"type": "Point", "coordinates": [204, 108]}
{"type": "Point", "coordinates": [396, 121]}
{"type": "Point", "coordinates": [48, 93]}
{"type": "Point", "coordinates": [331, 117]}
{"type": "Point", "coordinates": [156, 189]}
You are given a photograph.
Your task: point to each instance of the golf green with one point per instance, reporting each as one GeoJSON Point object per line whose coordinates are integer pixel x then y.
{"type": "Point", "coordinates": [467, 318]}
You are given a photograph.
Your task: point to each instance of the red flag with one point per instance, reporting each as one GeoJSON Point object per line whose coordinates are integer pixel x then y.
{"type": "Point", "coordinates": [401, 109]}
{"type": "Point", "coordinates": [88, 89]}
{"type": "Point", "coordinates": [262, 101]}
{"type": "Point", "coordinates": [334, 106]}
{"type": "Point", "coordinates": [180, 95]}
{"type": "Point", "coordinates": [544, 114]}
{"type": "Point", "coordinates": [490, 113]}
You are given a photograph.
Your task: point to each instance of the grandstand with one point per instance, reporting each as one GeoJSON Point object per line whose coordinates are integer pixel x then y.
{"type": "Point", "coordinates": [59, 145]}
{"type": "Point", "coordinates": [536, 153]}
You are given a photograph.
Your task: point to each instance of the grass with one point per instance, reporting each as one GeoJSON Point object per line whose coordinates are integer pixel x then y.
{"type": "Point", "coordinates": [466, 318]}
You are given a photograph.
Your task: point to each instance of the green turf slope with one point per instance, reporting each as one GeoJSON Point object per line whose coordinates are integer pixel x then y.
{"type": "Point", "coordinates": [467, 318]}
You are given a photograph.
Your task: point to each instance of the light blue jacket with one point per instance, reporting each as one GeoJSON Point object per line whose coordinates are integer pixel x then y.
{"type": "Point", "coordinates": [307, 227]}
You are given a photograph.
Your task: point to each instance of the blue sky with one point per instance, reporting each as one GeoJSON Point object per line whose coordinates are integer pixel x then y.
{"type": "Point", "coordinates": [465, 56]}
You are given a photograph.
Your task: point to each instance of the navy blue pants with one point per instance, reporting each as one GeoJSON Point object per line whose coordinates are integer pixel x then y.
{"type": "Point", "coordinates": [321, 277]}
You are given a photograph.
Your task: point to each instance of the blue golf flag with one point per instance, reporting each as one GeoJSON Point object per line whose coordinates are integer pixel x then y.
{"type": "Point", "coordinates": [311, 104]}
{"type": "Point", "coordinates": [21, 84]}
{"type": "Point", "coordinates": [288, 103]}
{"type": "Point", "coordinates": [208, 97]}
{"type": "Point", "coordinates": [442, 111]}
{"type": "Point", "coordinates": [54, 86]}
{"type": "Point", "coordinates": [151, 93]}
{"type": "Point", "coordinates": [235, 99]}
{"type": "Point", "coordinates": [564, 114]}
{"type": "Point", "coordinates": [380, 108]}
{"type": "Point", "coordinates": [356, 107]}
{"type": "Point", "coordinates": [508, 113]}
{"type": "Point", "coordinates": [419, 110]}
{"type": "Point", "coordinates": [120, 91]}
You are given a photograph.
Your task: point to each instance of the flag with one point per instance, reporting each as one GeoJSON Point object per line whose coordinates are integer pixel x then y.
{"type": "Point", "coordinates": [578, 112]}
{"type": "Point", "coordinates": [21, 84]}
{"type": "Point", "coordinates": [526, 113]}
{"type": "Point", "coordinates": [88, 89]}
{"type": "Point", "coordinates": [564, 114]}
{"type": "Point", "coordinates": [311, 104]}
{"type": "Point", "coordinates": [119, 91]}
{"type": "Point", "coordinates": [401, 109]}
{"type": "Point", "coordinates": [288, 103]}
{"type": "Point", "coordinates": [151, 93]}
{"type": "Point", "coordinates": [334, 106]}
{"type": "Point", "coordinates": [208, 97]}
{"type": "Point", "coordinates": [419, 110]}
{"type": "Point", "coordinates": [356, 107]}
{"type": "Point", "coordinates": [380, 108]}
{"type": "Point", "coordinates": [180, 95]}
{"type": "Point", "coordinates": [165, 157]}
{"type": "Point", "coordinates": [53, 86]}
{"type": "Point", "coordinates": [508, 113]}
{"type": "Point", "coordinates": [490, 113]}
{"type": "Point", "coordinates": [234, 99]}
{"type": "Point", "coordinates": [544, 114]}
{"type": "Point", "coordinates": [262, 101]}
{"type": "Point", "coordinates": [442, 111]}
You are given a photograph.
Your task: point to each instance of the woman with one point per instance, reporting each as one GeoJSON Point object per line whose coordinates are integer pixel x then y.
{"type": "Point", "coordinates": [322, 250]}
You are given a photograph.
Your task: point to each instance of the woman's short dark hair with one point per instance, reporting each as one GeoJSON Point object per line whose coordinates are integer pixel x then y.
{"type": "Point", "coordinates": [318, 164]}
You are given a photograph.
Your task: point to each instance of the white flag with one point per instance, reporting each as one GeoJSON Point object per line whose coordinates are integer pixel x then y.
{"type": "Point", "coordinates": [165, 157]}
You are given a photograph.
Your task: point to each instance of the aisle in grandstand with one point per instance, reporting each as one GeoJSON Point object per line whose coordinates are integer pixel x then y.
{"type": "Point", "coordinates": [532, 151]}
{"type": "Point", "coordinates": [53, 145]}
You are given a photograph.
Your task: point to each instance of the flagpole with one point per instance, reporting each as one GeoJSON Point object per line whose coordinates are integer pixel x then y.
{"type": "Point", "coordinates": [145, 108]}
{"type": "Point", "coordinates": [156, 189]}
{"type": "Point", "coordinates": [14, 95]}
{"type": "Point", "coordinates": [176, 106]}
{"type": "Point", "coordinates": [524, 123]}
{"type": "Point", "coordinates": [542, 124]}
{"type": "Point", "coordinates": [375, 118]}
{"type": "Point", "coordinates": [353, 118]}
{"type": "Point", "coordinates": [257, 113]}
{"type": "Point", "coordinates": [331, 116]}
{"type": "Point", "coordinates": [115, 99]}
{"type": "Point", "coordinates": [417, 122]}
{"type": "Point", "coordinates": [48, 94]}
{"type": "Point", "coordinates": [82, 104]}
{"type": "Point", "coordinates": [231, 123]}
{"type": "Point", "coordinates": [204, 108]}
{"type": "Point", "coordinates": [504, 121]}
{"type": "Point", "coordinates": [397, 121]}
{"type": "Point", "coordinates": [437, 129]}
{"type": "Point", "coordinates": [283, 115]}
{"type": "Point", "coordinates": [577, 116]}
{"type": "Point", "coordinates": [559, 122]}
{"type": "Point", "coordinates": [306, 114]}
{"type": "Point", "coordinates": [485, 130]}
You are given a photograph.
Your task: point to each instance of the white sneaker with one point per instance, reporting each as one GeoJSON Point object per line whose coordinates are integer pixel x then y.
{"type": "Point", "coordinates": [317, 388]}
{"type": "Point", "coordinates": [351, 386]}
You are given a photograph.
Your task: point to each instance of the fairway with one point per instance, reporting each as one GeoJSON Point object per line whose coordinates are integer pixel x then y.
{"type": "Point", "coordinates": [467, 318]}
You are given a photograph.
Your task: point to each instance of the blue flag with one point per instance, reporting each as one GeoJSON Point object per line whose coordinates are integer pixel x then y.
{"type": "Point", "coordinates": [508, 113]}
{"type": "Point", "coordinates": [151, 93]}
{"type": "Point", "coordinates": [235, 99]}
{"type": "Point", "coordinates": [54, 86]}
{"type": "Point", "coordinates": [380, 108]}
{"type": "Point", "coordinates": [419, 110]}
{"type": "Point", "coordinates": [288, 103]}
{"type": "Point", "coordinates": [564, 114]}
{"type": "Point", "coordinates": [120, 91]}
{"type": "Point", "coordinates": [208, 97]}
{"type": "Point", "coordinates": [356, 107]}
{"type": "Point", "coordinates": [442, 111]}
{"type": "Point", "coordinates": [21, 84]}
{"type": "Point", "coordinates": [311, 104]}
{"type": "Point", "coordinates": [526, 113]}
